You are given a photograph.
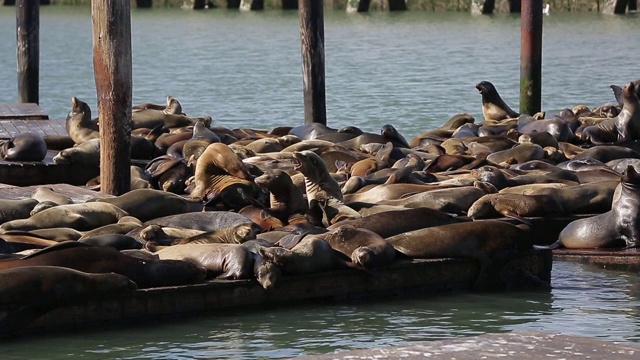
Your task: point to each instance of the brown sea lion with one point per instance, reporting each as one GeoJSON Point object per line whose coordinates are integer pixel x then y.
{"type": "Point", "coordinates": [520, 153]}
{"type": "Point", "coordinates": [393, 222]}
{"type": "Point", "coordinates": [312, 254]}
{"type": "Point", "coordinates": [489, 242]}
{"type": "Point", "coordinates": [233, 235]}
{"type": "Point", "coordinates": [79, 124]}
{"type": "Point", "coordinates": [456, 200]}
{"type": "Point", "coordinates": [515, 206]}
{"type": "Point", "coordinates": [147, 204]}
{"type": "Point", "coordinates": [493, 107]}
{"type": "Point", "coordinates": [16, 209]}
{"type": "Point", "coordinates": [27, 293]}
{"type": "Point", "coordinates": [225, 261]}
{"type": "Point", "coordinates": [624, 127]}
{"type": "Point", "coordinates": [87, 153]}
{"type": "Point", "coordinates": [24, 147]}
{"type": "Point", "coordinates": [166, 235]}
{"type": "Point", "coordinates": [621, 224]}
{"type": "Point", "coordinates": [83, 217]}
{"type": "Point", "coordinates": [364, 247]}
{"type": "Point", "coordinates": [172, 106]}
{"type": "Point", "coordinates": [97, 259]}
{"type": "Point", "coordinates": [204, 220]}
{"type": "Point", "coordinates": [150, 118]}
{"type": "Point", "coordinates": [285, 198]}
{"type": "Point", "coordinates": [220, 175]}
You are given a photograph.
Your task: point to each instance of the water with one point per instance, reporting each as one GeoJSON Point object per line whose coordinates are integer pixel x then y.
{"type": "Point", "coordinates": [413, 70]}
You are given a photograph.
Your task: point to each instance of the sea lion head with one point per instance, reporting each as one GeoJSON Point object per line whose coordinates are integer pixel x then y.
{"type": "Point", "coordinates": [243, 232]}
{"type": "Point", "coordinates": [309, 164]}
{"type": "Point", "coordinates": [630, 177]}
{"type": "Point", "coordinates": [486, 89]}
{"type": "Point", "coordinates": [629, 94]}
{"type": "Point", "coordinates": [79, 107]}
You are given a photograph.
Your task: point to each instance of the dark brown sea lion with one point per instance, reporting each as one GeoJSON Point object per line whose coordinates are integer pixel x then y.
{"type": "Point", "coordinates": [150, 118]}
{"type": "Point", "coordinates": [618, 91]}
{"type": "Point", "coordinates": [555, 126]}
{"type": "Point", "coordinates": [493, 107]}
{"type": "Point", "coordinates": [520, 153]}
{"type": "Point", "coordinates": [388, 133]}
{"type": "Point", "coordinates": [27, 293]}
{"type": "Point", "coordinates": [79, 124]}
{"type": "Point", "coordinates": [117, 241]}
{"type": "Point", "coordinates": [172, 106]}
{"type": "Point", "coordinates": [201, 138]}
{"type": "Point", "coordinates": [515, 206]}
{"type": "Point", "coordinates": [489, 242]}
{"type": "Point", "coordinates": [147, 204]}
{"type": "Point", "coordinates": [225, 261]}
{"type": "Point", "coordinates": [24, 147]}
{"type": "Point", "coordinates": [285, 198]}
{"type": "Point", "coordinates": [168, 174]}
{"type": "Point", "coordinates": [624, 127]}
{"type": "Point", "coordinates": [83, 217]}
{"type": "Point", "coordinates": [456, 200]}
{"type": "Point", "coordinates": [204, 221]}
{"type": "Point", "coordinates": [364, 247]}
{"type": "Point", "coordinates": [312, 254]}
{"type": "Point", "coordinates": [606, 153]}
{"type": "Point", "coordinates": [621, 224]}
{"type": "Point", "coordinates": [97, 259]}
{"type": "Point", "coordinates": [393, 222]}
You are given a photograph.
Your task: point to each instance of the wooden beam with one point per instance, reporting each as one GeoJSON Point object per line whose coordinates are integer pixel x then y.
{"type": "Point", "coordinates": [112, 71]}
{"type": "Point", "coordinates": [312, 38]}
{"type": "Point", "coordinates": [531, 57]}
{"type": "Point", "coordinates": [28, 38]}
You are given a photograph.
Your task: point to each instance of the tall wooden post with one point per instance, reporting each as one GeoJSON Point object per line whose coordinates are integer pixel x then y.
{"type": "Point", "coordinates": [312, 37]}
{"type": "Point", "coordinates": [28, 37]}
{"type": "Point", "coordinates": [112, 71]}
{"type": "Point", "coordinates": [531, 57]}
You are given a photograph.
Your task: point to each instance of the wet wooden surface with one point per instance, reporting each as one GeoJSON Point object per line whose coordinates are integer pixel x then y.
{"type": "Point", "coordinates": [513, 345]}
{"type": "Point", "coordinates": [27, 173]}
{"type": "Point", "coordinates": [10, 128]}
{"type": "Point", "coordinates": [615, 259]}
{"type": "Point", "coordinates": [22, 111]}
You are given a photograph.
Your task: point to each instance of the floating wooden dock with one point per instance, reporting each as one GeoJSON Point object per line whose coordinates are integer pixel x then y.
{"type": "Point", "coordinates": [402, 278]}
{"type": "Point", "coordinates": [615, 259]}
{"type": "Point", "coordinates": [513, 345]}
{"type": "Point", "coordinates": [23, 111]}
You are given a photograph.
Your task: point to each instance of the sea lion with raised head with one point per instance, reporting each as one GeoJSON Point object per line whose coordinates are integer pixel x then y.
{"type": "Point", "coordinates": [618, 226]}
{"type": "Point", "coordinates": [624, 127]}
{"type": "Point", "coordinates": [79, 124]}
{"type": "Point", "coordinates": [493, 107]}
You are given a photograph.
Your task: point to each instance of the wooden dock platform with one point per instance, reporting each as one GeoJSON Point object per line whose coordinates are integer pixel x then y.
{"type": "Point", "coordinates": [401, 278]}
{"type": "Point", "coordinates": [513, 345]}
{"type": "Point", "coordinates": [615, 259]}
{"type": "Point", "coordinates": [23, 111]}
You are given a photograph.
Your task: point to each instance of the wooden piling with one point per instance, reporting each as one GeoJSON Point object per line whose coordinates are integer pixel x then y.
{"type": "Point", "coordinates": [113, 76]}
{"type": "Point", "coordinates": [28, 39]}
{"type": "Point", "coordinates": [531, 57]}
{"type": "Point", "coordinates": [312, 39]}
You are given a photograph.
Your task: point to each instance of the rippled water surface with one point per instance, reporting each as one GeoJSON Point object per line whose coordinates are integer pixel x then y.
{"type": "Point", "coordinates": [413, 70]}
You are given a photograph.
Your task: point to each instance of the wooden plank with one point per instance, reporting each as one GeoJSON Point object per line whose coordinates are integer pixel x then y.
{"type": "Point", "coordinates": [45, 172]}
{"type": "Point", "coordinates": [618, 259]}
{"type": "Point", "coordinates": [25, 111]}
{"type": "Point", "coordinates": [10, 128]}
{"type": "Point", "coordinates": [513, 345]}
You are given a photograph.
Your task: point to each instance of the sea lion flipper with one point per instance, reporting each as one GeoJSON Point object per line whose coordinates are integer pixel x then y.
{"type": "Point", "coordinates": [515, 216]}
{"type": "Point", "coordinates": [60, 246]}
{"type": "Point", "coordinates": [617, 92]}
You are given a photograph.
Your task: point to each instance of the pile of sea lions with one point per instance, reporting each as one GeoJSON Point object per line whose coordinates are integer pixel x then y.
{"type": "Point", "coordinates": [214, 202]}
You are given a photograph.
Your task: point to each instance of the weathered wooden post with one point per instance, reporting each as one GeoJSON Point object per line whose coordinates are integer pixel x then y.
{"type": "Point", "coordinates": [312, 38]}
{"type": "Point", "coordinates": [531, 57]}
{"type": "Point", "coordinates": [112, 71]}
{"type": "Point", "coordinates": [28, 37]}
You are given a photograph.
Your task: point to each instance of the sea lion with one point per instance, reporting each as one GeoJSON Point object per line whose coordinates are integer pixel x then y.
{"type": "Point", "coordinates": [117, 228]}
{"type": "Point", "coordinates": [16, 209]}
{"type": "Point", "coordinates": [520, 153]}
{"type": "Point", "coordinates": [233, 235]}
{"type": "Point", "coordinates": [24, 147]}
{"type": "Point", "coordinates": [168, 174]}
{"type": "Point", "coordinates": [285, 198]}
{"type": "Point", "coordinates": [606, 153]}
{"type": "Point", "coordinates": [83, 217]}
{"type": "Point", "coordinates": [310, 131]}
{"type": "Point", "coordinates": [150, 118]}
{"type": "Point", "coordinates": [312, 254]}
{"type": "Point", "coordinates": [393, 222]}
{"type": "Point", "coordinates": [204, 221]}
{"type": "Point", "coordinates": [456, 200]}
{"type": "Point", "coordinates": [117, 241]}
{"type": "Point", "coordinates": [27, 293]}
{"type": "Point", "coordinates": [624, 127]}
{"type": "Point", "coordinates": [493, 107]}
{"type": "Point", "coordinates": [364, 247]}
{"type": "Point", "coordinates": [620, 224]}
{"type": "Point", "coordinates": [98, 259]}
{"type": "Point", "coordinates": [165, 235]}
{"type": "Point", "coordinates": [515, 206]}
{"type": "Point", "coordinates": [139, 180]}
{"type": "Point", "coordinates": [225, 261]}
{"type": "Point", "coordinates": [490, 242]}
{"type": "Point", "coordinates": [388, 133]}
{"type": "Point", "coordinates": [618, 91]}
{"type": "Point", "coordinates": [46, 193]}
{"type": "Point", "coordinates": [220, 176]}
{"type": "Point", "coordinates": [86, 153]}
{"type": "Point", "coordinates": [147, 204]}
{"type": "Point", "coordinates": [79, 124]}
{"type": "Point", "coordinates": [321, 188]}
{"type": "Point", "coordinates": [172, 106]}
